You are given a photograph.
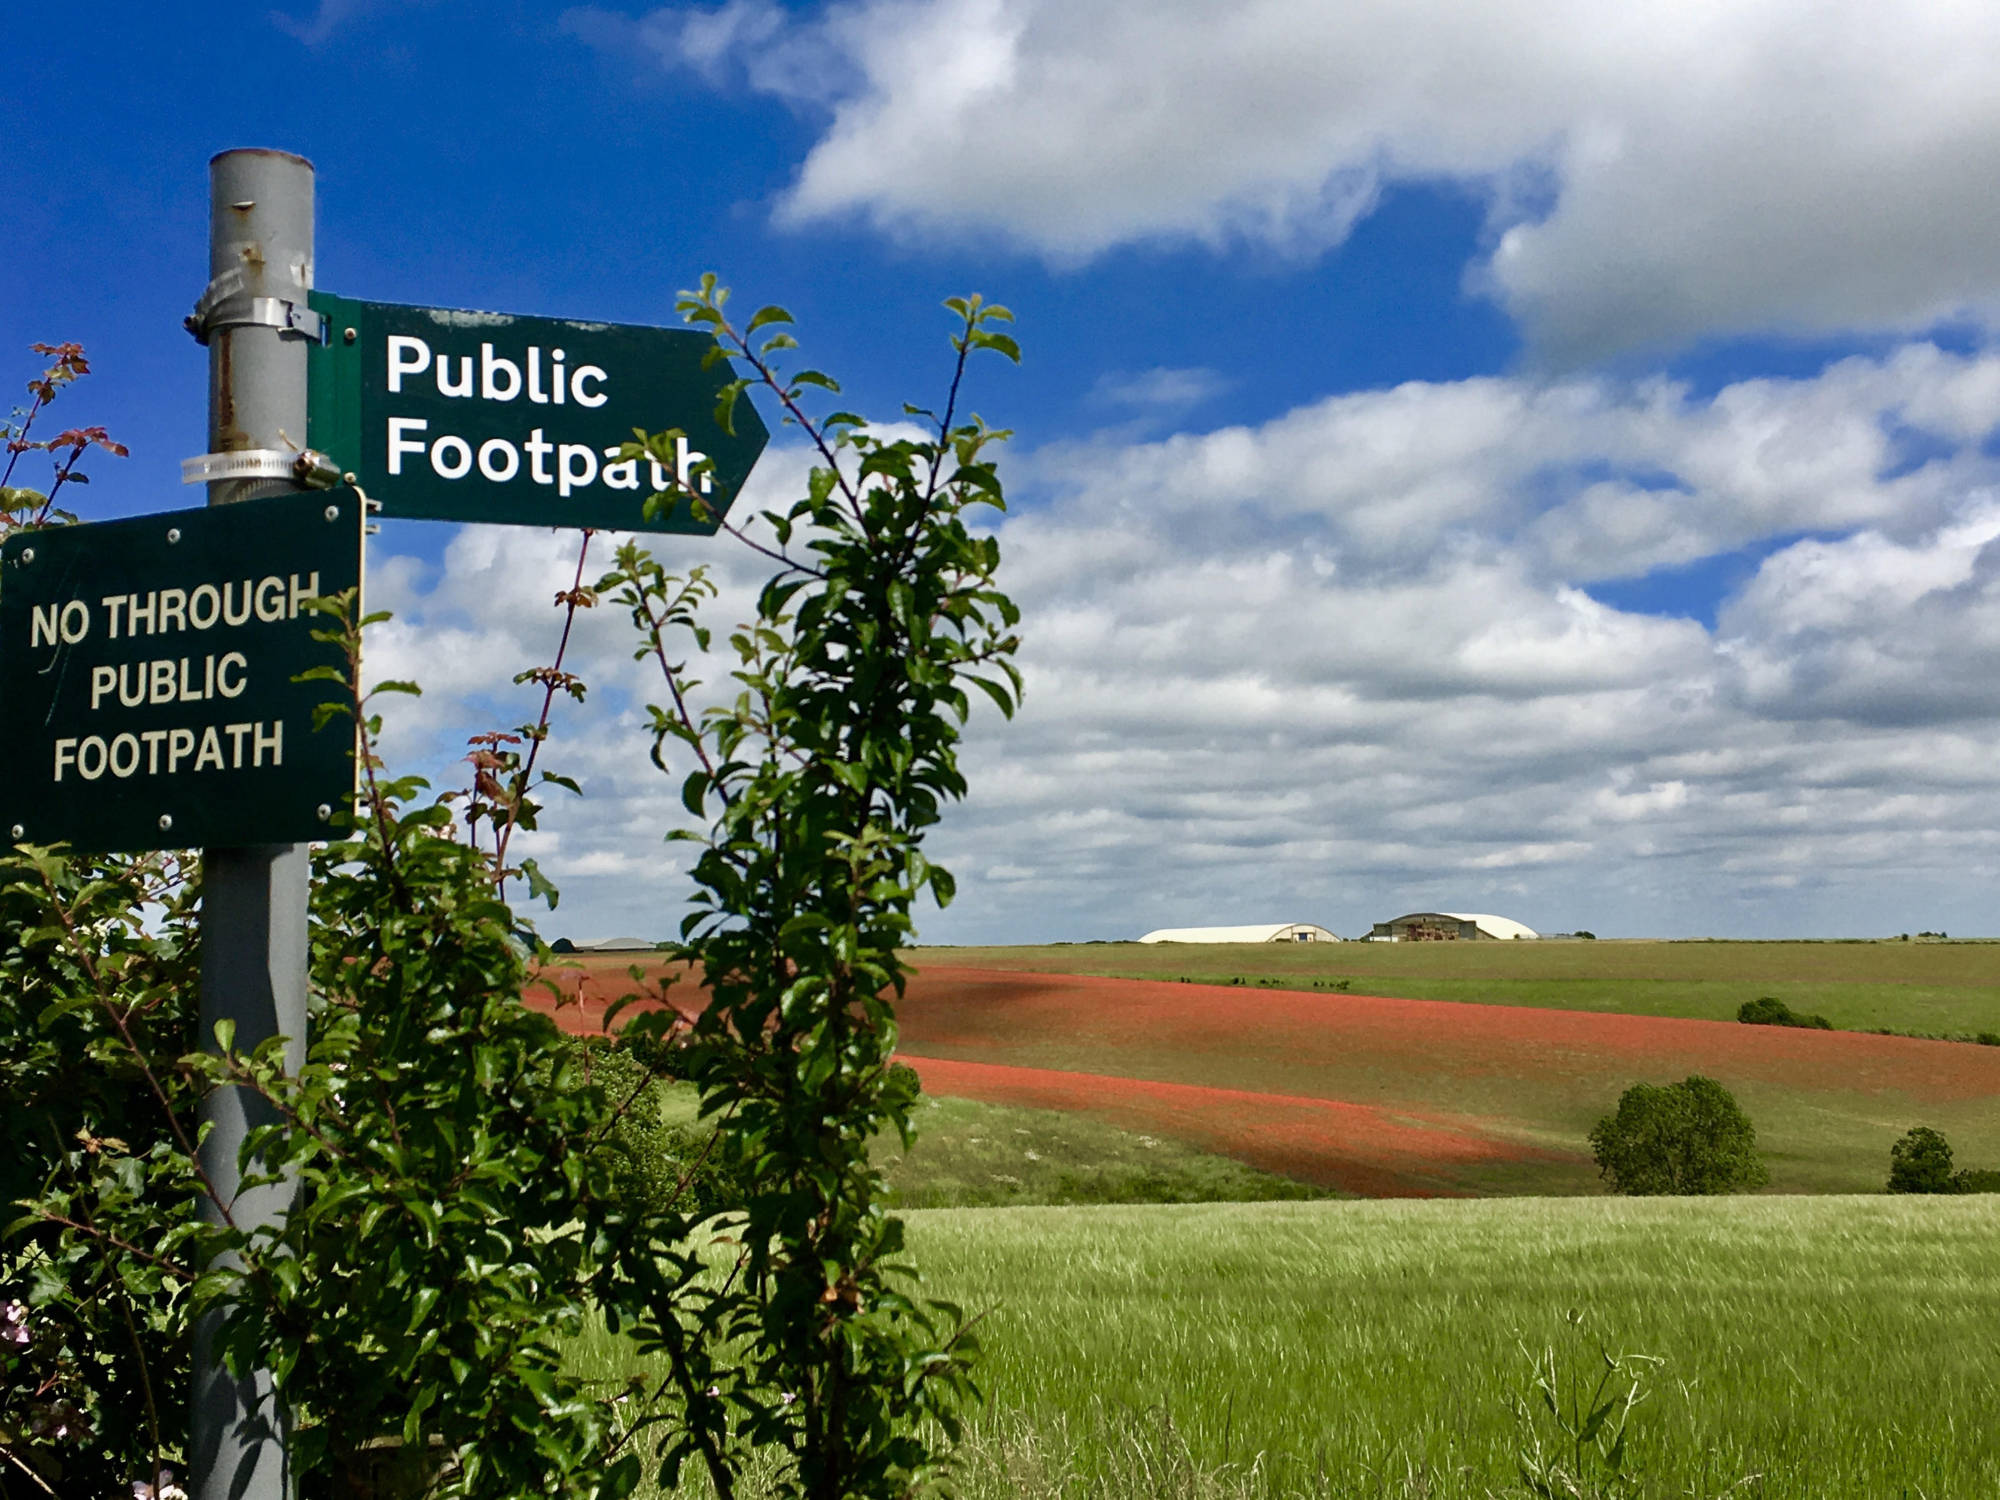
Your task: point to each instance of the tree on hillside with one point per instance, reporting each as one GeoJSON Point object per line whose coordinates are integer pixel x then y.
{"type": "Point", "coordinates": [1680, 1139]}
{"type": "Point", "coordinates": [1921, 1163]}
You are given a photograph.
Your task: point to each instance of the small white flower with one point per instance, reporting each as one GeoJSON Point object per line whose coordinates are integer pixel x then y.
{"type": "Point", "coordinates": [141, 1490]}
{"type": "Point", "coordinates": [714, 1390]}
{"type": "Point", "coordinates": [13, 1323]}
{"type": "Point", "coordinates": [787, 1397]}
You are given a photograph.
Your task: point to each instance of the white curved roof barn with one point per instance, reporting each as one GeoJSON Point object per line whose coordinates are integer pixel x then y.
{"type": "Point", "coordinates": [1261, 932]}
{"type": "Point", "coordinates": [1499, 927]}
{"type": "Point", "coordinates": [1470, 924]}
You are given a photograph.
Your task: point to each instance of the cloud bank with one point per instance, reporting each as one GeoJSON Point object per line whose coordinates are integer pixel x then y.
{"type": "Point", "coordinates": [1655, 171]}
{"type": "Point", "coordinates": [1355, 660]}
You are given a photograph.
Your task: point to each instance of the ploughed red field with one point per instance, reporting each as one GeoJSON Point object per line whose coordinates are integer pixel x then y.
{"type": "Point", "coordinates": [580, 994]}
{"type": "Point", "coordinates": [1361, 1148]}
{"type": "Point", "coordinates": [1376, 1095]}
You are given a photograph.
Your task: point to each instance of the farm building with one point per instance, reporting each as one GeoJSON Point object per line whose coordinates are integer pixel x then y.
{"type": "Point", "coordinates": [1263, 932]}
{"type": "Point", "coordinates": [1448, 926]}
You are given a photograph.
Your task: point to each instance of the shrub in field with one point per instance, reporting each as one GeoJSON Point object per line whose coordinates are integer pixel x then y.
{"type": "Point", "coordinates": [658, 1168]}
{"type": "Point", "coordinates": [818, 781]}
{"type": "Point", "coordinates": [1686, 1138]}
{"type": "Point", "coordinates": [1768, 1010]}
{"type": "Point", "coordinates": [1921, 1163]}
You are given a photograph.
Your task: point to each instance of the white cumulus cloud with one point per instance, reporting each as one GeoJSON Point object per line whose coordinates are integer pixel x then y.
{"type": "Point", "coordinates": [1354, 660]}
{"type": "Point", "coordinates": [1656, 170]}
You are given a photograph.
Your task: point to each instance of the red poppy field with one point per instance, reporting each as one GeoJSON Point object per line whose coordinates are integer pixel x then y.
{"type": "Point", "coordinates": [1391, 1097]}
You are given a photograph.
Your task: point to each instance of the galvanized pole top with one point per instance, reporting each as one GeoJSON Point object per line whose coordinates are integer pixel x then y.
{"type": "Point", "coordinates": [254, 318]}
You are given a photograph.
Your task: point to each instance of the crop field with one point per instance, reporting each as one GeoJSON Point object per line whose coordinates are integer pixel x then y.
{"type": "Point", "coordinates": [1939, 989]}
{"type": "Point", "coordinates": [1383, 1096]}
{"type": "Point", "coordinates": [1829, 1348]}
{"type": "Point", "coordinates": [1796, 1347]}
{"type": "Point", "coordinates": [1836, 1347]}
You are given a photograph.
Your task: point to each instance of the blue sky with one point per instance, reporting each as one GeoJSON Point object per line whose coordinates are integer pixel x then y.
{"type": "Point", "coordinates": [1471, 456]}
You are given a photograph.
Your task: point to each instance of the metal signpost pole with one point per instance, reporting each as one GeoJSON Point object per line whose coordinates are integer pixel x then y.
{"type": "Point", "coordinates": [253, 918]}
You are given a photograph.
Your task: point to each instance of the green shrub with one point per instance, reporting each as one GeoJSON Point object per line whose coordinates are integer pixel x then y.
{"type": "Point", "coordinates": [1769, 1010]}
{"type": "Point", "coordinates": [1921, 1163]}
{"type": "Point", "coordinates": [658, 1047]}
{"type": "Point", "coordinates": [658, 1167]}
{"type": "Point", "coordinates": [1686, 1138]}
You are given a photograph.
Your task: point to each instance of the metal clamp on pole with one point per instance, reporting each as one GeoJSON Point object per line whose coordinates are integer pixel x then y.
{"type": "Point", "coordinates": [310, 469]}
{"type": "Point", "coordinates": [225, 304]}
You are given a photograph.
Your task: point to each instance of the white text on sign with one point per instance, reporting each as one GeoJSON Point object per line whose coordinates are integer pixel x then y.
{"type": "Point", "coordinates": [493, 377]}
{"type": "Point", "coordinates": [213, 675]}
{"type": "Point", "coordinates": [162, 611]}
{"type": "Point", "coordinates": [122, 755]}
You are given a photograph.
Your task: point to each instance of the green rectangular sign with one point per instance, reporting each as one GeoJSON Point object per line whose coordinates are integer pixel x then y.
{"type": "Point", "coordinates": [146, 674]}
{"type": "Point", "coordinates": [449, 415]}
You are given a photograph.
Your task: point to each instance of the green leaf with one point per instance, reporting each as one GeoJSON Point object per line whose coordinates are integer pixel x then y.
{"type": "Point", "coordinates": [999, 343]}
{"type": "Point", "coordinates": [539, 885]}
{"type": "Point", "coordinates": [725, 407]}
{"type": "Point", "coordinates": [997, 693]}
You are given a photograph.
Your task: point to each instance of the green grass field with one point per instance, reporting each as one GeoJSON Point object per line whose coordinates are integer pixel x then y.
{"type": "Point", "coordinates": [1810, 1349]}
{"type": "Point", "coordinates": [1836, 1347]}
{"type": "Point", "coordinates": [1950, 989]}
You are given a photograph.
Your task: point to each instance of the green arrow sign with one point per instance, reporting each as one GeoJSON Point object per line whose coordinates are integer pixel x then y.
{"type": "Point", "coordinates": [447, 415]}
{"type": "Point", "coordinates": [146, 674]}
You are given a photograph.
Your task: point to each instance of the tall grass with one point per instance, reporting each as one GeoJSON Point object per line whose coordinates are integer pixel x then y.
{"type": "Point", "coordinates": [1810, 1347]}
